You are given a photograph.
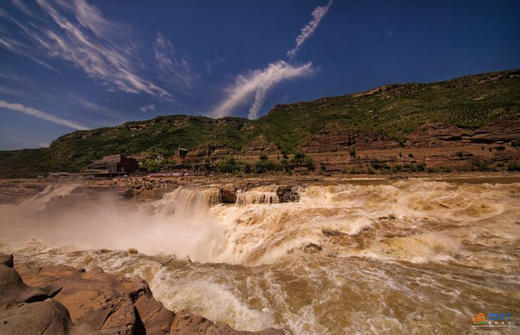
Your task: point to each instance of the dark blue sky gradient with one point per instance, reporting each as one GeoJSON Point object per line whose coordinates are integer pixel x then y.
{"type": "Point", "coordinates": [358, 45]}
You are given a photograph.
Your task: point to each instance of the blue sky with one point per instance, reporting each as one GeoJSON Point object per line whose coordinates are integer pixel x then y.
{"type": "Point", "coordinates": [67, 65]}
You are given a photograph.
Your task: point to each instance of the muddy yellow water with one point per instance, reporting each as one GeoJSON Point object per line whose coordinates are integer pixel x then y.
{"type": "Point", "coordinates": [394, 257]}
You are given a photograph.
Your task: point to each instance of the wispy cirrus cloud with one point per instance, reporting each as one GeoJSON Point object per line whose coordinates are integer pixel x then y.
{"type": "Point", "coordinates": [93, 49]}
{"type": "Point", "coordinates": [78, 33]}
{"type": "Point", "coordinates": [173, 67]}
{"type": "Point", "coordinates": [16, 107]}
{"type": "Point", "coordinates": [22, 7]}
{"type": "Point", "coordinates": [91, 18]}
{"type": "Point", "coordinates": [21, 87]}
{"type": "Point", "coordinates": [19, 47]}
{"type": "Point", "coordinates": [317, 15]}
{"type": "Point", "coordinates": [256, 84]}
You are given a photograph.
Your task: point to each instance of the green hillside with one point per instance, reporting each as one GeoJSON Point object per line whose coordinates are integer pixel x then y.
{"type": "Point", "coordinates": [394, 110]}
{"type": "Point", "coordinates": [397, 110]}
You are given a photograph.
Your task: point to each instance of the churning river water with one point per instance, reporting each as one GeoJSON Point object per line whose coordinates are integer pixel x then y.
{"type": "Point", "coordinates": [395, 257]}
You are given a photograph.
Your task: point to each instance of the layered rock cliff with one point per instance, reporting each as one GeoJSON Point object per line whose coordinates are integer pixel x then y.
{"type": "Point", "coordinates": [435, 145]}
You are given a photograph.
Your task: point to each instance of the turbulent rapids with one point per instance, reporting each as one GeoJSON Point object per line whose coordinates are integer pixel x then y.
{"type": "Point", "coordinates": [376, 256]}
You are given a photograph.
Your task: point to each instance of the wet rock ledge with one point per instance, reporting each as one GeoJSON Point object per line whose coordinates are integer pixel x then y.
{"type": "Point", "coordinates": [59, 299]}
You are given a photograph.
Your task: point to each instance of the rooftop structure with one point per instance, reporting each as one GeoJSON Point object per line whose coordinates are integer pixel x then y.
{"type": "Point", "coordinates": [112, 165]}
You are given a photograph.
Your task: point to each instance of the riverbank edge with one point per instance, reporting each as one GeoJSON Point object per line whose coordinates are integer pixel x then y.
{"type": "Point", "coordinates": [59, 299]}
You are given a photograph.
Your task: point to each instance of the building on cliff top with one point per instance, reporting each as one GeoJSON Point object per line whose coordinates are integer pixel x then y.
{"type": "Point", "coordinates": [180, 154]}
{"type": "Point", "coordinates": [112, 165]}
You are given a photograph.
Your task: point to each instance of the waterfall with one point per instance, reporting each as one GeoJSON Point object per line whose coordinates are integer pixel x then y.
{"type": "Point", "coordinates": [256, 197]}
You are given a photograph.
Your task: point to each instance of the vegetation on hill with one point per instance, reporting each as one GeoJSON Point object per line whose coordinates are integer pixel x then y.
{"type": "Point", "coordinates": [397, 110]}
{"type": "Point", "coordinates": [393, 110]}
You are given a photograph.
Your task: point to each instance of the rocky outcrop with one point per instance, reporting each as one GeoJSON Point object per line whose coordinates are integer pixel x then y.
{"type": "Point", "coordinates": [228, 194]}
{"type": "Point", "coordinates": [437, 135]}
{"type": "Point", "coordinates": [504, 130]}
{"type": "Point", "coordinates": [377, 90]}
{"type": "Point", "coordinates": [65, 300]}
{"type": "Point", "coordinates": [288, 193]}
{"type": "Point", "coordinates": [25, 309]}
{"type": "Point", "coordinates": [40, 317]}
{"type": "Point", "coordinates": [332, 141]}
{"type": "Point", "coordinates": [260, 146]}
{"type": "Point", "coordinates": [434, 145]}
{"type": "Point", "coordinates": [441, 134]}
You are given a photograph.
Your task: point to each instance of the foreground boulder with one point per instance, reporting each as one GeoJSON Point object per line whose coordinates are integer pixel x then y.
{"type": "Point", "coordinates": [25, 309]}
{"type": "Point", "coordinates": [93, 297]}
{"type": "Point", "coordinates": [34, 318]}
{"type": "Point", "coordinates": [65, 300]}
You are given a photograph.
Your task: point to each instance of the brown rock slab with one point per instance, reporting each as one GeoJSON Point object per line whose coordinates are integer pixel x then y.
{"type": "Point", "coordinates": [41, 317]}
{"type": "Point", "coordinates": [93, 297]}
{"type": "Point", "coordinates": [71, 301]}
{"type": "Point", "coordinates": [13, 290]}
{"type": "Point", "coordinates": [155, 317]}
{"type": "Point", "coordinates": [25, 309]}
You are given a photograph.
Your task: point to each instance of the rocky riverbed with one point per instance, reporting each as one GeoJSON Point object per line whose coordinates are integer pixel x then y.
{"type": "Point", "coordinates": [59, 299]}
{"type": "Point", "coordinates": [308, 255]}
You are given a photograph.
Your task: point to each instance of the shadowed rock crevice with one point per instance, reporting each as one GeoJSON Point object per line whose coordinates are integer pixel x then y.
{"type": "Point", "coordinates": [139, 328]}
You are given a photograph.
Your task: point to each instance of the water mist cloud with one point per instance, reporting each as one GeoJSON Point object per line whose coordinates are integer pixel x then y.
{"type": "Point", "coordinates": [70, 215]}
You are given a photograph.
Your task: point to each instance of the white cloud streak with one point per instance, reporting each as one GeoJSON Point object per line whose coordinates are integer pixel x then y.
{"type": "Point", "coordinates": [96, 53]}
{"type": "Point", "coordinates": [20, 48]}
{"type": "Point", "coordinates": [78, 33]}
{"type": "Point", "coordinates": [173, 68]}
{"type": "Point", "coordinates": [92, 19]}
{"type": "Point", "coordinates": [147, 108]}
{"type": "Point", "coordinates": [16, 107]}
{"type": "Point", "coordinates": [256, 84]}
{"type": "Point", "coordinates": [317, 15]}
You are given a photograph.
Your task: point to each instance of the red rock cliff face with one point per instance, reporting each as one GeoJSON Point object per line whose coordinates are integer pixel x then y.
{"type": "Point", "coordinates": [434, 144]}
{"type": "Point", "coordinates": [505, 130]}
{"type": "Point", "coordinates": [344, 141]}
{"type": "Point", "coordinates": [259, 146]}
{"type": "Point", "coordinates": [437, 135]}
